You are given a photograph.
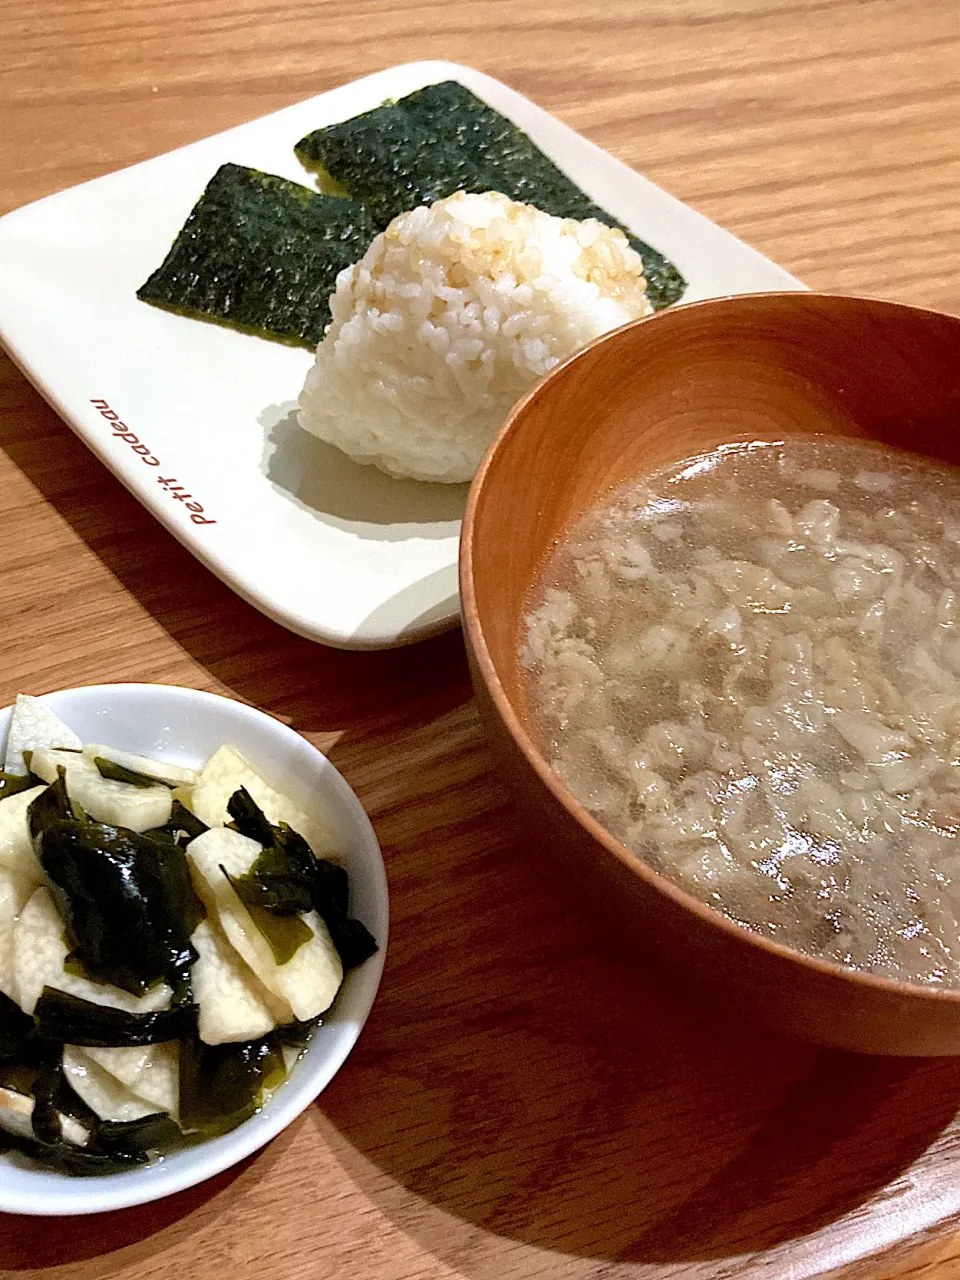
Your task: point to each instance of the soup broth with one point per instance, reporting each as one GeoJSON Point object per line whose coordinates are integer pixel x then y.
{"type": "Point", "coordinates": [747, 668]}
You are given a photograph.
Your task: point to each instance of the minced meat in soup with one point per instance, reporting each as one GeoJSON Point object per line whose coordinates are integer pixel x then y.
{"type": "Point", "coordinates": [747, 667]}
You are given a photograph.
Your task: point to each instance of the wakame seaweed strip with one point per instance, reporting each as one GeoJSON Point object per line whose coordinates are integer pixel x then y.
{"type": "Point", "coordinates": [248, 818]}
{"type": "Point", "coordinates": [178, 887]}
{"type": "Point", "coordinates": [329, 894]}
{"type": "Point", "coordinates": [261, 254]}
{"type": "Point", "coordinates": [20, 1074]}
{"type": "Point", "coordinates": [222, 1084]}
{"type": "Point", "coordinates": [42, 1078]}
{"type": "Point", "coordinates": [126, 899]}
{"type": "Point", "coordinates": [155, 1132]}
{"type": "Point", "coordinates": [331, 887]}
{"type": "Point", "coordinates": [182, 819]}
{"type": "Point", "coordinates": [276, 889]}
{"type": "Point", "coordinates": [53, 1097]}
{"type": "Point", "coordinates": [120, 773]}
{"type": "Point", "coordinates": [16, 1028]}
{"type": "Point", "coordinates": [288, 876]}
{"type": "Point", "coordinates": [47, 1087]}
{"type": "Point", "coordinates": [280, 879]}
{"type": "Point", "coordinates": [11, 783]}
{"type": "Point", "coordinates": [297, 1034]}
{"type": "Point", "coordinates": [284, 934]}
{"type": "Point", "coordinates": [443, 139]}
{"type": "Point", "coordinates": [70, 1019]}
{"type": "Point", "coordinates": [353, 940]}
{"type": "Point", "coordinates": [49, 808]}
{"type": "Point", "coordinates": [66, 1157]}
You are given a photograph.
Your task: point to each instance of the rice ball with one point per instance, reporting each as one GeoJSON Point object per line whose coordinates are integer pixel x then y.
{"type": "Point", "coordinates": [453, 313]}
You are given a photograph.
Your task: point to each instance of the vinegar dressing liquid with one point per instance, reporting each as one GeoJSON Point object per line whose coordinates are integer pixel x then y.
{"type": "Point", "coordinates": [747, 667]}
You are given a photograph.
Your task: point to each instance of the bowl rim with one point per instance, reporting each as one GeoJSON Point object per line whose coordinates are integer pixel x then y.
{"type": "Point", "coordinates": [52, 1194]}
{"type": "Point", "coordinates": [473, 627]}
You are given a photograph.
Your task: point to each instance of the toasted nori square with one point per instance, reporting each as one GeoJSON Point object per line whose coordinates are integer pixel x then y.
{"type": "Point", "coordinates": [443, 139]}
{"type": "Point", "coordinates": [261, 254]}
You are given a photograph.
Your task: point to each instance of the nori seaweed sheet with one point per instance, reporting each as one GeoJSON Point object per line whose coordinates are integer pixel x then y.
{"type": "Point", "coordinates": [443, 139]}
{"type": "Point", "coordinates": [261, 254]}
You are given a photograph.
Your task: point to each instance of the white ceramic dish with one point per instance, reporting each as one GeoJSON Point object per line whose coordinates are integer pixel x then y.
{"type": "Point", "coordinates": [334, 551]}
{"type": "Point", "coordinates": [185, 726]}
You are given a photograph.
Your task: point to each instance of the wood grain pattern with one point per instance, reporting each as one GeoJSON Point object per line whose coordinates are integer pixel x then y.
{"type": "Point", "coordinates": [522, 1103]}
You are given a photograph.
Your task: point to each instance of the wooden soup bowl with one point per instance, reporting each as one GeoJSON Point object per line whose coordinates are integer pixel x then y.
{"type": "Point", "coordinates": [656, 391]}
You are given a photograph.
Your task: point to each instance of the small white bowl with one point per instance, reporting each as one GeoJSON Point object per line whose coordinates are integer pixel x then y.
{"type": "Point", "coordinates": [185, 726]}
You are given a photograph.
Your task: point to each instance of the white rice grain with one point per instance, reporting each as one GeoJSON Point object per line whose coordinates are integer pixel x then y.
{"type": "Point", "coordinates": [454, 313]}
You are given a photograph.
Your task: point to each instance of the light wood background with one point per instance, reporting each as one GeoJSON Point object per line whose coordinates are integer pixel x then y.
{"type": "Point", "coordinates": [523, 1103]}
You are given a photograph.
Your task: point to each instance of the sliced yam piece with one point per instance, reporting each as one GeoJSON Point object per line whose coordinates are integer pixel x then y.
{"type": "Point", "coordinates": [34, 725]}
{"type": "Point", "coordinates": [175, 774]}
{"type": "Point", "coordinates": [73, 1131]}
{"type": "Point", "coordinates": [226, 771]}
{"type": "Point", "coordinates": [118, 803]}
{"type": "Point", "coordinates": [216, 848]}
{"type": "Point", "coordinates": [16, 847]}
{"type": "Point", "coordinates": [100, 1090]}
{"type": "Point", "coordinates": [185, 795]}
{"type": "Point", "coordinates": [16, 1116]}
{"type": "Point", "coordinates": [15, 892]}
{"type": "Point", "coordinates": [152, 1072]}
{"type": "Point", "coordinates": [39, 952]}
{"type": "Point", "coordinates": [309, 981]}
{"type": "Point", "coordinates": [233, 1004]}
{"type": "Point", "coordinates": [45, 761]}
{"type": "Point", "coordinates": [291, 1056]}
{"type": "Point", "coordinates": [16, 1113]}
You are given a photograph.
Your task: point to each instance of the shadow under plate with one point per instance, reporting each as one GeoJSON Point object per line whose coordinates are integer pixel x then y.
{"type": "Point", "coordinates": [359, 499]}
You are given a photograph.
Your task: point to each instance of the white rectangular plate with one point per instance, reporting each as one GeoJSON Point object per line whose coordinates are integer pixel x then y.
{"type": "Point", "coordinates": [198, 421]}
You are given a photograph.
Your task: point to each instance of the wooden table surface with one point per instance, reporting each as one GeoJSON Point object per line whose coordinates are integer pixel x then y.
{"type": "Point", "coordinates": [523, 1103]}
